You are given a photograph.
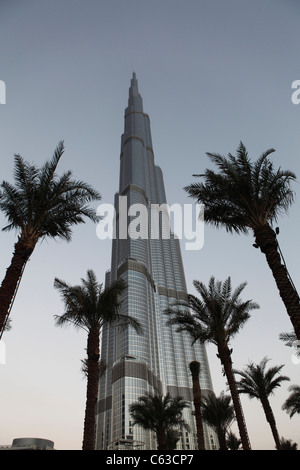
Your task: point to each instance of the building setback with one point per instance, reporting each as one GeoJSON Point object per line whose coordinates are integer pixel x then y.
{"type": "Point", "coordinates": [157, 360]}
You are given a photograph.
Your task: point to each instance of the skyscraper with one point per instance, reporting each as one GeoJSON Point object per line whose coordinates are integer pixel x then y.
{"type": "Point", "coordinates": [152, 267]}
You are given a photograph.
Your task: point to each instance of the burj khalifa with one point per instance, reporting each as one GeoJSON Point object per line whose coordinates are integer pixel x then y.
{"type": "Point", "coordinates": [158, 359]}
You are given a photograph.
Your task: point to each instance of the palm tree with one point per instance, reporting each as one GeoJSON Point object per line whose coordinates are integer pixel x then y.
{"type": "Point", "coordinates": [195, 371]}
{"type": "Point", "coordinates": [287, 444]}
{"type": "Point", "coordinates": [245, 196]}
{"type": "Point", "coordinates": [290, 340]}
{"type": "Point", "coordinates": [40, 205]}
{"type": "Point", "coordinates": [158, 413]}
{"type": "Point", "coordinates": [257, 382]}
{"type": "Point", "coordinates": [292, 404]}
{"type": "Point", "coordinates": [218, 413]}
{"type": "Point", "coordinates": [88, 306]}
{"type": "Point", "coordinates": [233, 442]}
{"type": "Point", "coordinates": [217, 318]}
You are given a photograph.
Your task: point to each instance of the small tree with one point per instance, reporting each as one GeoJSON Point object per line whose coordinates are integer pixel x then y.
{"type": "Point", "coordinates": [257, 382]}
{"type": "Point", "coordinates": [161, 414]}
{"type": "Point", "coordinates": [287, 444]}
{"type": "Point", "coordinates": [292, 404]}
{"type": "Point", "coordinates": [219, 414]}
{"type": "Point", "coordinates": [233, 442]}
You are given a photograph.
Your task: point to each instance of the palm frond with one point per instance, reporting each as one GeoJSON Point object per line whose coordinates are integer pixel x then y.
{"type": "Point", "coordinates": [89, 306]}
{"type": "Point", "coordinates": [217, 316]}
{"type": "Point", "coordinates": [44, 203]}
{"type": "Point", "coordinates": [257, 381]}
{"type": "Point", "coordinates": [243, 194]}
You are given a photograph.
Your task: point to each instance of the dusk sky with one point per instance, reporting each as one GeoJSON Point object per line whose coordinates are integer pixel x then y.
{"type": "Point", "coordinates": [211, 74]}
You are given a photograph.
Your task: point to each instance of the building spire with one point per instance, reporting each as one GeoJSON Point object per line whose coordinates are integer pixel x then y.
{"type": "Point", "coordinates": [135, 100]}
{"type": "Point", "coordinates": [134, 82]}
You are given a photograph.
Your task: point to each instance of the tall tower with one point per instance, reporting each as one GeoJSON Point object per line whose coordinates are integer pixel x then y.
{"type": "Point", "coordinates": [157, 360]}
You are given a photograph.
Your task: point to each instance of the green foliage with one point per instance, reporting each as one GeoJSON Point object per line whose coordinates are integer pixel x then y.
{"type": "Point", "coordinates": [257, 382]}
{"type": "Point", "coordinates": [287, 444]}
{"type": "Point", "coordinates": [233, 442]}
{"type": "Point", "coordinates": [243, 194]}
{"type": "Point", "coordinates": [217, 316]}
{"type": "Point", "coordinates": [292, 403]}
{"type": "Point", "coordinates": [90, 306]}
{"type": "Point", "coordinates": [161, 414]}
{"type": "Point", "coordinates": [219, 414]}
{"type": "Point", "coordinates": [43, 204]}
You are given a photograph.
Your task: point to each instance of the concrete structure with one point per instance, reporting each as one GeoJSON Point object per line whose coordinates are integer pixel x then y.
{"type": "Point", "coordinates": [152, 268]}
{"type": "Point", "coordinates": [30, 443]}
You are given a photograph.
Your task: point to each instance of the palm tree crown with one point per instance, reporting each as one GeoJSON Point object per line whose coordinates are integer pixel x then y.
{"type": "Point", "coordinates": [89, 306]}
{"type": "Point", "coordinates": [160, 414]}
{"type": "Point", "coordinates": [287, 444]}
{"type": "Point", "coordinates": [41, 204]}
{"type": "Point", "coordinates": [243, 195]}
{"type": "Point", "coordinates": [257, 382]}
{"type": "Point", "coordinates": [218, 413]}
{"type": "Point", "coordinates": [233, 442]}
{"type": "Point", "coordinates": [292, 403]}
{"type": "Point", "coordinates": [217, 316]}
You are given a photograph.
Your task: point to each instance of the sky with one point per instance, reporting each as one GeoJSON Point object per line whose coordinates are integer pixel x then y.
{"type": "Point", "coordinates": [211, 74]}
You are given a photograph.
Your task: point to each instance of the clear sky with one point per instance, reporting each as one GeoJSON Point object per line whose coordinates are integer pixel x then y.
{"type": "Point", "coordinates": [211, 74]}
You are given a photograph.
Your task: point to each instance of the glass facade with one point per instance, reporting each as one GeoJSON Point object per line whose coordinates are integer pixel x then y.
{"type": "Point", "coordinates": [152, 268]}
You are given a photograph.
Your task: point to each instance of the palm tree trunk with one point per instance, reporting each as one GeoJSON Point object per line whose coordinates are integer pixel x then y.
{"type": "Point", "coordinates": [12, 277]}
{"type": "Point", "coordinates": [198, 415]}
{"type": "Point", "coordinates": [197, 405]}
{"type": "Point", "coordinates": [161, 440]}
{"type": "Point", "coordinates": [222, 439]}
{"type": "Point", "coordinates": [225, 358]}
{"type": "Point", "coordinates": [92, 389]}
{"type": "Point", "coordinates": [265, 238]}
{"type": "Point", "coordinates": [271, 420]}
